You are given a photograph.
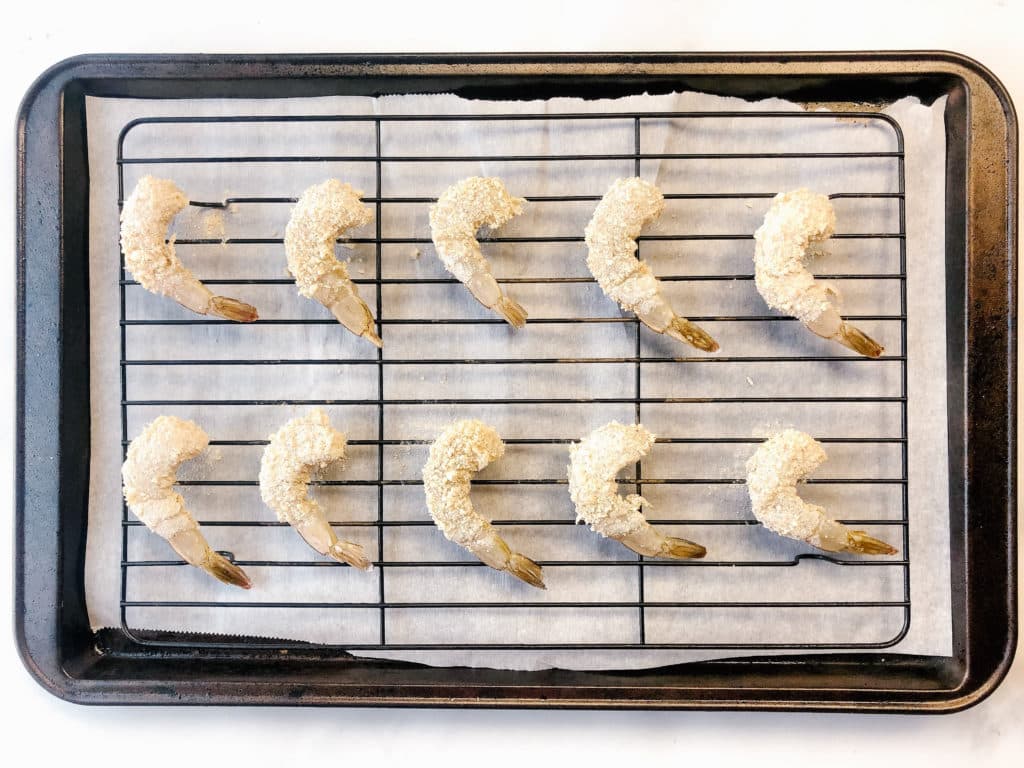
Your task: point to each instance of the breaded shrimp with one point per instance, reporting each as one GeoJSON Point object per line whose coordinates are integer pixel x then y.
{"type": "Point", "coordinates": [794, 221]}
{"type": "Point", "coordinates": [145, 217]}
{"type": "Point", "coordinates": [463, 448]}
{"type": "Point", "coordinates": [772, 474]}
{"type": "Point", "coordinates": [323, 213]}
{"type": "Point", "coordinates": [628, 206]}
{"type": "Point", "coordinates": [593, 464]}
{"type": "Point", "coordinates": [460, 211]}
{"type": "Point", "coordinates": [298, 448]}
{"type": "Point", "coordinates": [149, 476]}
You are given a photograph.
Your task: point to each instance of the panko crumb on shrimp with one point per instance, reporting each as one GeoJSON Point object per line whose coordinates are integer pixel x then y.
{"type": "Point", "coordinates": [773, 472]}
{"type": "Point", "coordinates": [149, 473]}
{"type": "Point", "coordinates": [151, 258]}
{"type": "Point", "coordinates": [323, 213]}
{"type": "Point", "coordinates": [626, 208]}
{"type": "Point", "coordinates": [301, 446]}
{"type": "Point", "coordinates": [795, 221]}
{"type": "Point", "coordinates": [593, 464]}
{"type": "Point", "coordinates": [461, 450]}
{"type": "Point", "coordinates": [459, 213]}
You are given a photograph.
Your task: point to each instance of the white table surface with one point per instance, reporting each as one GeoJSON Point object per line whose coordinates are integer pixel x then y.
{"type": "Point", "coordinates": [38, 727]}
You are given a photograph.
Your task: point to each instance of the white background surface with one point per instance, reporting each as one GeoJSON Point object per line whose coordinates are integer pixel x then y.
{"type": "Point", "coordinates": [34, 35]}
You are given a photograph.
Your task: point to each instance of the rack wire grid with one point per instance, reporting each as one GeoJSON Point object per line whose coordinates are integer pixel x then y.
{"type": "Point", "coordinates": [656, 615]}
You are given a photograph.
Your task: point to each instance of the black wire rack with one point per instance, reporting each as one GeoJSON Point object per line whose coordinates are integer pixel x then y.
{"type": "Point", "coordinates": [388, 432]}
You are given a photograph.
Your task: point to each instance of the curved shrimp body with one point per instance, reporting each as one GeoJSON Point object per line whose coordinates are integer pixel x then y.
{"type": "Point", "coordinates": [772, 475]}
{"type": "Point", "coordinates": [462, 449]}
{"type": "Point", "coordinates": [796, 220]}
{"type": "Point", "coordinates": [460, 211]}
{"type": "Point", "coordinates": [627, 207]}
{"type": "Point", "coordinates": [594, 463]}
{"type": "Point", "coordinates": [323, 213]}
{"type": "Point", "coordinates": [145, 217]}
{"type": "Point", "coordinates": [149, 473]}
{"type": "Point", "coordinates": [305, 444]}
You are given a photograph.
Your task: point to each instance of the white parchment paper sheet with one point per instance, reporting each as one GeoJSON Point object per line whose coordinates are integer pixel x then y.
{"type": "Point", "coordinates": [720, 507]}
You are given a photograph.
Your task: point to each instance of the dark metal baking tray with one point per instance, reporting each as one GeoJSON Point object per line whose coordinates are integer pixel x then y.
{"type": "Point", "coordinates": [112, 666]}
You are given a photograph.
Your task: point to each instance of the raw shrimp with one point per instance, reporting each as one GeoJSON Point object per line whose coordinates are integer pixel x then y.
{"type": "Point", "coordinates": [794, 221]}
{"type": "Point", "coordinates": [323, 213]}
{"type": "Point", "coordinates": [150, 257]}
{"type": "Point", "coordinates": [461, 211]}
{"type": "Point", "coordinates": [462, 449]}
{"type": "Point", "coordinates": [593, 464]}
{"type": "Point", "coordinates": [149, 476]}
{"type": "Point", "coordinates": [772, 474]}
{"type": "Point", "coordinates": [302, 445]}
{"type": "Point", "coordinates": [629, 205]}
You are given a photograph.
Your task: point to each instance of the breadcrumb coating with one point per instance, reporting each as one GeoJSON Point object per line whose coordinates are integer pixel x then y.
{"type": "Point", "coordinates": [323, 213]}
{"type": "Point", "coordinates": [300, 447]}
{"type": "Point", "coordinates": [145, 217]}
{"type": "Point", "coordinates": [149, 473]}
{"type": "Point", "coordinates": [773, 472]}
{"type": "Point", "coordinates": [794, 221]}
{"type": "Point", "coordinates": [593, 464]}
{"type": "Point", "coordinates": [460, 212]}
{"type": "Point", "coordinates": [147, 213]}
{"type": "Point", "coordinates": [460, 451]}
{"type": "Point", "coordinates": [626, 208]}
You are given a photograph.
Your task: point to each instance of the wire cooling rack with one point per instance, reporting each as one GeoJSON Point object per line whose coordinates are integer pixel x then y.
{"type": "Point", "coordinates": [654, 618]}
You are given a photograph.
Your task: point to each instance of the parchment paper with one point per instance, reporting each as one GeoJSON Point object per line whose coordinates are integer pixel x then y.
{"type": "Point", "coordinates": [721, 508]}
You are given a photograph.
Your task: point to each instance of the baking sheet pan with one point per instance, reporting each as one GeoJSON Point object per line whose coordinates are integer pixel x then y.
{"type": "Point", "coordinates": [84, 667]}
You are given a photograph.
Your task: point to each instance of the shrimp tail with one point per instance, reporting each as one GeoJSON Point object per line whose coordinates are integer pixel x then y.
{"type": "Point", "coordinates": [351, 553]}
{"type": "Point", "coordinates": [224, 570]}
{"type": "Point", "coordinates": [352, 312]}
{"type": "Point", "coordinates": [681, 548]}
{"type": "Point", "coordinates": [370, 335]}
{"type": "Point", "coordinates": [232, 309]}
{"type": "Point", "coordinates": [855, 339]}
{"type": "Point", "coordinates": [524, 568]}
{"type": "Point", "coordinates": [859, 541]}
{"type": "Point", "coordinates": [692, 334]}
{"type": "Point", "coordinates": [194, 550]}
{"type": "Point", "coordinates": [511, 311]}
{"type": "Point", "coordinates": [650, 542]}
{"type": "Point", "coordinates": [486, 290]}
